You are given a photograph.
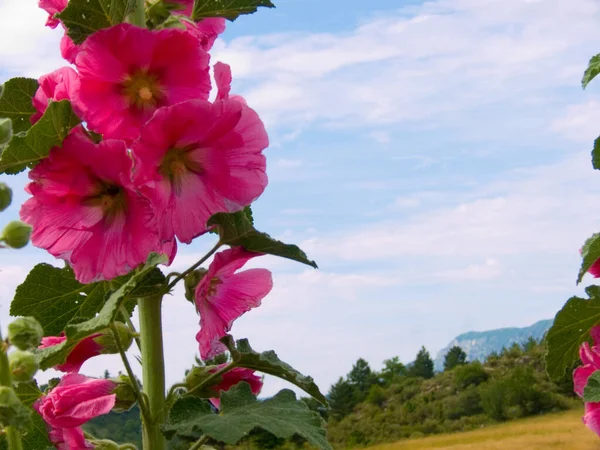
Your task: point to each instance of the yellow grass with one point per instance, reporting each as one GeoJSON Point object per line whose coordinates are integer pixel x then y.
{"type": "Point", "coordinates": [554, 431]}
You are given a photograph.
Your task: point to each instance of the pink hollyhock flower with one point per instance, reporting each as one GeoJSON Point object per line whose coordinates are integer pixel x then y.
{"type": "Point", "coordinates": [591, 417]}
{"type": "Point", "coordinates": [196, 159]}
{"type": "Point", "coordinates": [86, 211]}
{"type": "Point", "coordinates": [590, 357]}
{"type": "Point", "coordinates": [127, 73]}
{"type": "Point", "coordinates": [233, 377]}
{"type": "Point", "coordinates": [594, 270]}
{"type": "Point", "coordinates": [53, 7]}
{"type": "Point", "coordinates": [206, 31]}
{"type": "Point", "coordinates": [84, 350]}
{"type": "Point", "coordinates": [58, 85]}
{"type": "Point", "coordinates": [74, 401]}
{"type": "Point", "coordinates": [69, 439]}
{"type": "Point", "coordinates": [68, 48]}
{"type": "Point", "coordinates": [224, 295]}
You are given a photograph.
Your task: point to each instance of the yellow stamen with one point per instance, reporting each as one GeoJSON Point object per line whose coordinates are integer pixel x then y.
{"type": "Point", "coordinates": [145, 93]}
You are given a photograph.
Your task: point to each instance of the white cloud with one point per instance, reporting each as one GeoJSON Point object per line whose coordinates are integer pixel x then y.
{"type": "Point", "coordinates": [580, 122]}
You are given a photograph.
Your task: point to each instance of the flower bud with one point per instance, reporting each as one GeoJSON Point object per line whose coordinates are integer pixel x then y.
{"type": "Point", "coordinates": [105, 444]}
{"type": "Point", "coordinates": [197, 376]}
{"type": "Point", "coordinates": [12, 411]}
{"type": "Point", "coordinates": [191, 281]}
{"type": "Point", "coordinates": [25, 333]}
{"type": "Point", "coordinates": [107, 339]}
{"type": "Point", "coordinates": [5, 131]}
{"type": "Point", "coordinates": [5, 196]}
{"type": "Point", "coordinates": [16, 234]}
{"type": "Point", "coordinates": [23, 365]}
{"type": "Point", "coordinates": [125, 393]}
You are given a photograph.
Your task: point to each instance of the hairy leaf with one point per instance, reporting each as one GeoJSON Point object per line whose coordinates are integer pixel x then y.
{"type": "Point", "coordinates": [590, 253]}
{"type": "Point", "coordinates": [75, 332]}
{"type": "Point", "coordinates": [269, 363]}
{"type": "Point", "coordinates": [27, 149]}
{"type": "Point", "coordinates": [28, 392]}
{"type": "Point", "coordinates": [571, 328]}
{"type": "Point", "coordinates": [35, 436]}
{"type": "Point", "coordinates": [596, 154]}
{"type": "Point", "coordinates": [230, 9]}
{"type": "Point", "coordinates": [592, 70]}
{"type": "Point", "coordinates": [84, 17]}
{"type": "Point", "coordinates": [235, 229]}
{"type": "Point", "coordinates": [15, 102]}
{"type": "Point", "coordinates": [591, 392]}
{"type": "Point", "coordinates": [240, 413]}
{"type": "Point", "coordinates": [54, 297]}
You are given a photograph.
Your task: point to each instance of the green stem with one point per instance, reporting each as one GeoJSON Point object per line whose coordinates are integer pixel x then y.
{"type": "Point", "coordinates": [213, 378]}
{"type": "Point", "coordinates": [136, 387]}
{"type": "Point", "coordinates": [203, 440]}
{"type": "Point", "coordinates": [13, 437]}
{"type": "Point", "coordinates": [131, 326]}
{"type": "Point", "coordinates": [153, 365]}
{"type": "Point", "coordinates": [139, 16]}
{"type": "Point", "coordinates": [195, 266]}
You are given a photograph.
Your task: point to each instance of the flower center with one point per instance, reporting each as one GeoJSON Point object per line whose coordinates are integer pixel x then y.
{"type": "Point", "coordinates": [109, 197]}
{"type": "Point", "coordinates": [142, 90]}
{"type": "Point", "coordinates": [212, 287]}
{"type": "Point", "coordinates": [176, 163]}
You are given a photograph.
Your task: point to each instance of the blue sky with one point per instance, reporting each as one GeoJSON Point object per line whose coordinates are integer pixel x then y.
{"type": "Point", "coordinates": [432, 157]}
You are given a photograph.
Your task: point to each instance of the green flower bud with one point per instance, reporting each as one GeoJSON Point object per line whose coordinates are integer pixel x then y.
{"type": "Point", "coordinates": [5, 131]}
{"type": "Point", "coordinates": [108, 342]}
{"type": "Point", "coordinates": [25, 333]}
{"type": "Point", "coordinates": [105, 444]}
{"type": "Point", "coordinates": [12, 411]}
{"type": "Point", "coordinates": [197, 376]}
{"type": "Point", "coordinates": [16, 234]}
{"type": "Point", "coordinates": [126, 397]}
{"type": "Point", "coordinates": [5, 196]}
{"type": "Point", "coordinates": [23, 365]}
{"type": "Point", "coordinates": [191, 281]}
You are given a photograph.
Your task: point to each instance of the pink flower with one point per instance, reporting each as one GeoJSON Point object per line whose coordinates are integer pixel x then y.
{"type": "Point", "coordinates": [68, 48]}
{"type": "Point", "coordinates": [233, 377]}
{"type": "Point", "coordinates": [196, 159]}
{"type": "Point", "coordinates": [206, 31]}
{"type": "Point", "coordinates": [69, 439]}
{"type": "Point", "coordinates": [86, 211]}
{"type": "Point", "coordinates": [590, 357]}
{"type": "Point", "coordinates": [84, 350]}
{"type": "Point", "coordinates": [58, 85]}
{"type": "Point", "coordinates": [127, 73]}
{"type": "Point", "coordinates": [591, 417]}
{"type": "Point", "coordinates": [53, 7]}
{"type": "Point", "coordinates": [223, 295]}
{"type": "Point", "coordinates": [76, 400]}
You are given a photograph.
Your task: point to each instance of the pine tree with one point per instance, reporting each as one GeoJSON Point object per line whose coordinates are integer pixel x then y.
{"type": "Point", "coordinates": [456, 356]}
{"type": "Point", "coordinates": [423, 365]}
{"type": "Point", "coordinates": [341, 399]}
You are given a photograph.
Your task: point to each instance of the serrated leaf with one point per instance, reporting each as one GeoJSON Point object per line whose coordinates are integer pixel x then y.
{"type": "Point", "coordinates": [596, 154]}
{"type": "Point", "coordinates": [75, 332]}
{"type": "Point", "coordinates": [590, 252]}
{"type": "Point", "coordinates": [236, 230]}
{"type": "Point", "coordinates": [591, 392]}
{"type": "Point", "coordinates": [240, 413]}
{"type": "Point", "coordinates": [571, 328]}
{"type": "Point", "coordinates": [27, 149]}
{"type": "Point", "coordinates": [28, 392]}
{"type": "Point", "coordinates": [230, 9]}
{"type": "Point", "coordinates": [592, 70]}
{"type": "Point", "coordinates": [36, 435]}
{"type": "Point", "coordinates": [54, 297]}
{"type": "Point", "coordinates": [15, 102]}
{"type": "Point", "coordinates": [268, 362]}
{"type": "Point", "coordinates": [84, 17]}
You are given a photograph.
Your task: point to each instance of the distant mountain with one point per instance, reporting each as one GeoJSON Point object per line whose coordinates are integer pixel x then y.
{"type": "Point", "coordinates": [479, 344]}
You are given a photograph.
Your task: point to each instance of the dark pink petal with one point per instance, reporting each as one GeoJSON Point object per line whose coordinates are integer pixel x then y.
{"type": "Point", "coordinates": [87, 348]}
{"type": "Point", "coordinates": [74, 439]}
{"type": "Point", "coordinates": [594, 270]}
{"type": "Point", "coordinates": [52, 7]}
{"type": "Point", "coordinates": [591, 418]}
{"type": "Point", "coordinates": [223, 79]}
{"type": "Point", "coordinates": [58, 85]}
{"type": "Point", "coordinates": [589, 355]}
{"type": "Point", "coordinates": [580, 378]}
{"type": "Point", "coordinates": [68, 49]}
{"type": "Point", "coordinates": [206, 31]}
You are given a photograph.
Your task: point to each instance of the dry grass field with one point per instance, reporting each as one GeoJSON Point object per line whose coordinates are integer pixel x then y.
{"type": "Point", "coordinates": [554, 431]}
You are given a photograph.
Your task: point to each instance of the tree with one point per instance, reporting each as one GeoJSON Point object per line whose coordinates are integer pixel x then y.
{"type": "Point", "coordinates": [456, 356]}
{"type": "Point", "coordinates": [341, 399]}
{"type": "Point", "coordinates": [423, 365]}
{"type": "Point", "coordinates": [392, 370]}
{"type": "Point", "coordinates": [361, 378]}
{"type": "Point", "coordinates": [106, 374]}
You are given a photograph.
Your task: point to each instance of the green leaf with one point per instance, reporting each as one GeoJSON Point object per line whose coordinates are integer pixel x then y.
{"type": "Point", "coordinates": [28, 392]}
{"type": "Point", "coordinates": [5, 131]}
{"type": "Point", "coordinates": [241, 413]}
{"type": "Point", "coordinates": [230, 9]}
{"type": "Point", "coordinates": [590, 253]}
{"type": "Point", "coordinates": [75, 332]}
{"type": "Point", "coordinates": [235, 229]}
{"type": "Point", "coordinates": [35, 436]}
{"type": "Point", "coordinates": [84, 17]}
{"type": "Point", "coordinates": [27, 149]}
{"type": "Point", "coordinates": [15, 102]}
{"type": "Point", "coordinates": [591, 392]}
{"type": "Point", "coordinates": [571, 328]}
{"type": "Point", "coordinates": [596, 154]}
{"type": "Point", "coordinates": [268, 362]}
{"type": "Point", "coordinates": [592, 70]}
{"type": "Point", "coordinates": [54, 297]}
